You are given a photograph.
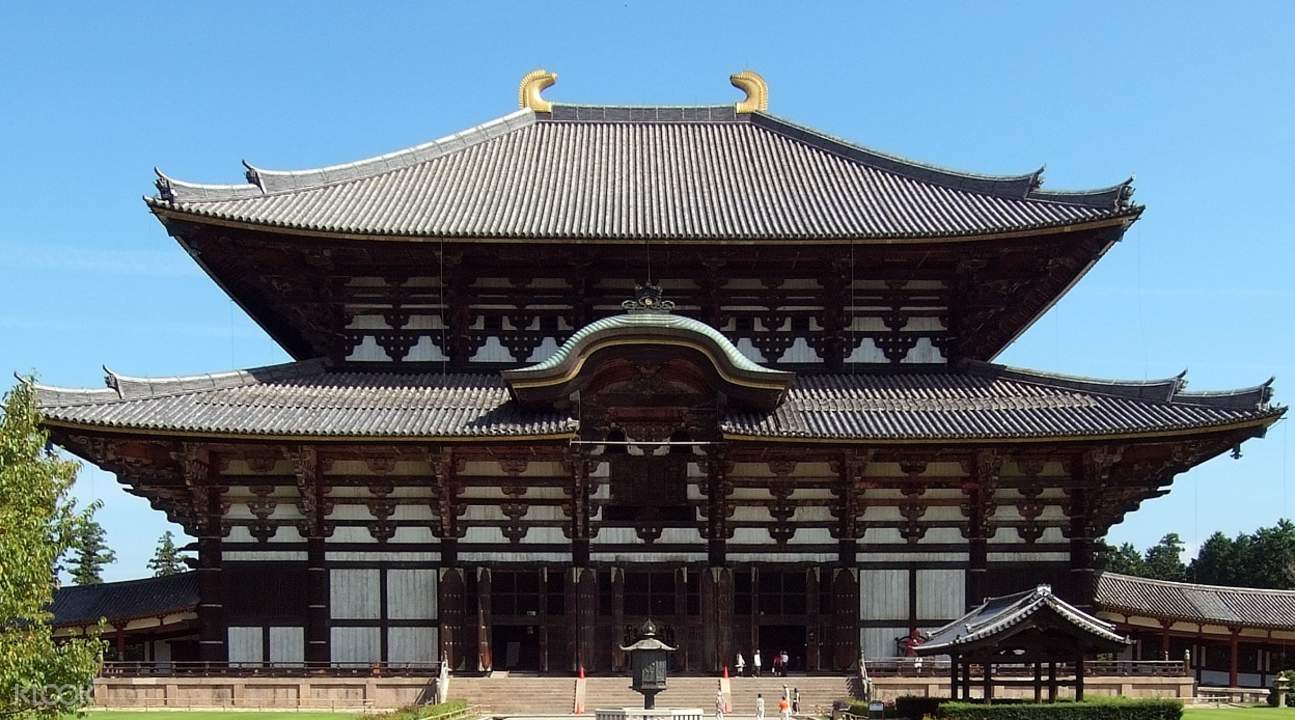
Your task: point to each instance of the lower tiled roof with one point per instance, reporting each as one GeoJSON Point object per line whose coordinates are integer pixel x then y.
{"type": "Point", "coordinates": [115, 601]}
{"type": "Point", "coordinates": [974, 401]}
{"type": "Point", "coordinates": [1212, 604]}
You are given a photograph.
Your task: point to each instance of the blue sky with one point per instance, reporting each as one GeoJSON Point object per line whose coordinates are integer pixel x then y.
{"type": "Point", "coordinates": [1194, 98]}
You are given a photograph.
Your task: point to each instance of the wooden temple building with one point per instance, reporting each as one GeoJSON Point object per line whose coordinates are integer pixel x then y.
{"type": "Point", "coordinates": [581, 366]}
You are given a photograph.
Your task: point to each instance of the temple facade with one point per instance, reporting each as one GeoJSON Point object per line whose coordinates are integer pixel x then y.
{"type": "Point", "coordinates": [582, 366]}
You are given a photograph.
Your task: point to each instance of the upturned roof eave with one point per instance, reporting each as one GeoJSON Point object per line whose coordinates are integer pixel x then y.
{"type": "Point", "coordinates": [165, 210]}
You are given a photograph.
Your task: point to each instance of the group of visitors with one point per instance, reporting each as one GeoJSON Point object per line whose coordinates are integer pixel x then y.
{"type": "Point", "coordinates": [788, 704]}
{"type": "Point", "coordinates": [781, 664]}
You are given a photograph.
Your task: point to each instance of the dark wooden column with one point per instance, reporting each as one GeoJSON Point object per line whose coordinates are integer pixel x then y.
{"type": "Point", "coordinates": [1164, 639]}
{"type": "Point", "coordinates": [1038, 682]}
{"type": "Point", "coordinates": [812, 606]}
{"type": "Point", "coordinates": [953, 677]}
{"type": "Point", "coordinates": [485, 652]}
{"type": "Point", "coordinates": [1094, 473]}
{"type": "Point", "coordinates": [446, 491]}
{"type": "Point", "coordinates": [312, 506]}
{"type": "Point", "coordinates": [987, 681]}
{"type": "Point", "coordinates": [1234, 652]}
{"type": "Point", "coordinates": [578, 465]}
{"type": "Point", "coordinates": [1052, 681]}
{"type": "Point", "coordinates": [618, 618]}
{"type": "Point", "coordinates": [586, 616]}
{"type": "Point", "coordinates": [1079, 678]}
{"type": "Point", "coordinates": [718, 488]}
{"type": "Point", "coordinates": [980, 506]}
{"type": "Point", "coordinates": [208, 525]}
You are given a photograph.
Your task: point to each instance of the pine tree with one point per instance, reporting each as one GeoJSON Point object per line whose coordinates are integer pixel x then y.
{"type": "Point", "coordinates": [1164, 560]}
{"type": "Point", "coordinates": [90, 553]}
{"type": "Point", "coordinates": [38, 523]}
{"type": "Point", "coordinates": [167, 558]}
{"type": "Point", "coordinates": [1124, 559]}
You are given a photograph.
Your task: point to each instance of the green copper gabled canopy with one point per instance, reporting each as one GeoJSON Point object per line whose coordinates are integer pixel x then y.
{"type": "Point", "coordinates": [654, 331]}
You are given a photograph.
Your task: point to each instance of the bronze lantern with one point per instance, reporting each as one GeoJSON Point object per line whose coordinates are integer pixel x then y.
{"type": "Point", "coordinates": [648, 660]}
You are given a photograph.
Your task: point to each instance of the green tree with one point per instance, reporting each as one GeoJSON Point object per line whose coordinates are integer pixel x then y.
{"type": "Point", "coordinates": [1164, 560]}
{"type": "Point", "coordinates": [90, 552]}
{"type": "Point", "coordinates": [1216, 563]}
{"type": "Point", "coordinates": [1271, 561]}
{"type": "Point", "coordinates": [167, 558]}
{"type": "Point", "coordinates": [38, 522]}
{"type": "Point", "coordinates": [1124, 559]}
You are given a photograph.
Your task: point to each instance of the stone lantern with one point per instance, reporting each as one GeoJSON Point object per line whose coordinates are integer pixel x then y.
{"type": "Point", "coordinates": [648, 659]}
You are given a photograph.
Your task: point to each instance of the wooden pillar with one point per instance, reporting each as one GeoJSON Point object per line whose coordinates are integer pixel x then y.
{"type": "Point", "coordinates": [311, 493]}
{"type": "Point", "coordinates": [1038, 682]}
{"type": "Point", "coordinates": [953, 677]}
{"type": "Point", "coordinates": [811, 630]}
{"type": "Point", "coordinates": [1079, 679]}
{"type": "Point", "coordinates": [207, 525]}
{"type": "Point", "coordinates": [1164, 639]}
{"type": "Point", "coordinates": [119, 641]}
{"type": "Point", "coordinates": [966, 679]}
{"type": "Point", "coordinates": [1052, 681]}
{"type": "Point", "coordinates": [586, 612]}
{"type": "Point", "coordinates": [485, 626]}
{"type": "Point", "coordinates": [680, 620]}
{"type": "Point", "coordinates": [718, 489]}
{"type": "Point", "coordinates": [724, 614]}
{"type": "Point", "coordinates": [618, 618]}
{"type": "Point", "coordinates": [1234, 651]}
{"type": "Point", "coordinates": [987, 681]}
{"type": "Point", "coordinates": [452, 615]}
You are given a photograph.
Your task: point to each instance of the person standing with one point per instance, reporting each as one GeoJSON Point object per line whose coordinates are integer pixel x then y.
{"type": "Point", "coordinates": [795, 701]}
{"type": "Point", "coordinates": [777, 664]}
{"type": "Point", "coordinates": [786, 663]}
{"type": "Point", "coordinates": [719, 705]}
{"type": "Point", "coordinates": [759, 698]}
{"type": "Point", "coordinates": [784, 708]}
{"type": "Point", "coordinates": [740, 665]}
{"type": "Point", "coordinates": [755, 662]}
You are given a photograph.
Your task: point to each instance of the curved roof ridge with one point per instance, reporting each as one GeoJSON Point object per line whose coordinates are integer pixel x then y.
{"type": "Point", "coordinates": [171, 190]}
{"type": "Point", "coordinates": [1196, 586]}
{"type": "Point", "coordinates": [264, 182]}
{"type": "Point", "coordinates": [1017, 187]}
{"type": "Point", "coordinates": [1162, 389]}
{"type": "Point", "coordinates": [1115, 196]}
{"type": "Point", "coordinates": [1240, 398]}
{"type": "Point", "coordinates": [126, 387]}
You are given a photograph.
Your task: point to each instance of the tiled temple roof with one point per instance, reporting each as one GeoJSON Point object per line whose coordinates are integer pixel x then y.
{"type": "Point", "coordinates": [975, 401]}
{"type": "Point", "coordinates": [129, 599]}
{"type": "Point", "coordinates": [1211, 604]}
{"type": "Point", "coordinates": [999, 615]}
{"type": "Point", "coordinates": [608, 173]}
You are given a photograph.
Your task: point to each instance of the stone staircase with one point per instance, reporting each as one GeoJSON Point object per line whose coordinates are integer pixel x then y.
{"type": "Point", "coordinates": [551, 696]}
{"type": "Point", "coordinates": [681, 692]}
{"type": "Point", "coordinates": [516, 695]}
{"type": "Point", "coordinates": [816, 691]}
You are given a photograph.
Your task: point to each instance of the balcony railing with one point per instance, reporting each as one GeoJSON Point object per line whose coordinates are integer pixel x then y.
{"type": "Point", "coordinates": [928, 667]}
{"type": "Point", "coordinates": [274, 669]}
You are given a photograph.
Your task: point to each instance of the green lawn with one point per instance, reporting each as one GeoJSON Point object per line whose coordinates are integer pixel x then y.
{"type": "Point", "coordinates": [1248, 713]}
{"type": "Point", "coordinates": [215, 715]}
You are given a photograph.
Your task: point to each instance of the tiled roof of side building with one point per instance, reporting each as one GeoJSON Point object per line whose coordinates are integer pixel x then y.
{"type": "Point", "coordinates": [1210, 604]}
{"type": "Point", "coordinates": [972, 402]}
{"type": "Point", "coordinates": [609, 173]}
{"type": "Point", "coordinates": [126, 600]}
{"type": "Point", "coordinates": [997, 616]}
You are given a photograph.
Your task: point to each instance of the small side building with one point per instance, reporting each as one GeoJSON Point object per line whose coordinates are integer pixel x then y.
{"type": "Point", "coordinates": [1232, 637]}
{"type": "Point", "coordinates": [152, 621]}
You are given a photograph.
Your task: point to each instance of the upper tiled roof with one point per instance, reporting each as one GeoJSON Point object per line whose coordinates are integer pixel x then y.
{"type": "Point", "coordinates": [85, 604]}
{"type": "Point", "coordinates": [1230, 606]}
{"type": "Point", "coordinates": [997, 616]}
{"type": "Point", "coordinates": [976, 401]}
{"type": "Point", "coordinates": [599, 173]}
